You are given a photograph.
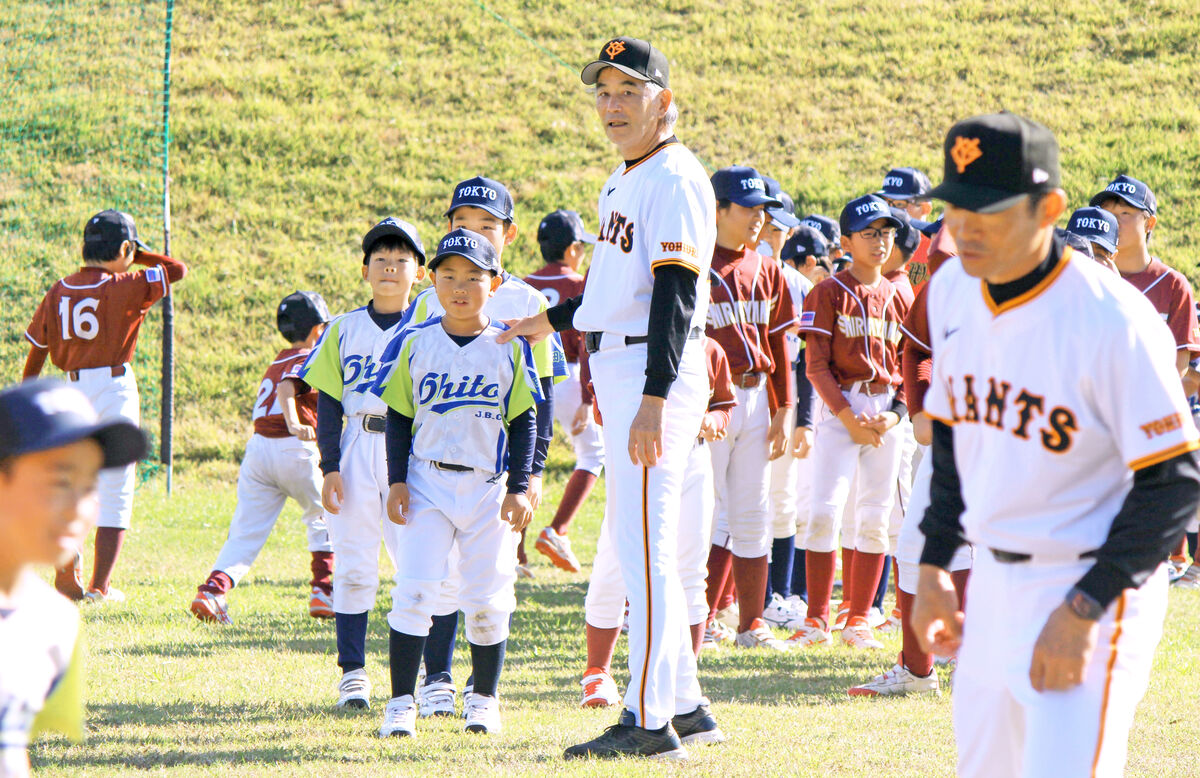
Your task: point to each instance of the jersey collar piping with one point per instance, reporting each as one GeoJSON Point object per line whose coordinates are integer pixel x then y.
{"type": "Point", "coordinates": [631, 164]}
{"type": "Point", "coordinates": [1042, 286]}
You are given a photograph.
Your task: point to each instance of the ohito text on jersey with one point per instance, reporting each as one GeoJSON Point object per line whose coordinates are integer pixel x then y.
{"type": "Point", "coordinates": [1027, 408]}
{"type": "Point", "coordinates": [456, 392]}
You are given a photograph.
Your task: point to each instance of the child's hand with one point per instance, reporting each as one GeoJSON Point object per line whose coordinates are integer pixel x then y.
{"type": "Point", "coordinates": [534, 493]}
{"type": "Point", "coordinates": [882, 422]}
{"type": "Point", "coordinates": [710, 428]}
{"type": "Point", "coordinates": [333, 493]}
{"type": "Point", "coordinates": [860, 433]}
{"type": "Point", "coordinates": [802, 440]}
{"type": "Point", "coordinates": [517, 511]}
{"type": "Point", "coordinates": [777, 438]}
{"type": "Point", "coordinates": [304, 432]}
{"type": "Point", "coordinates": [579, 423]}
{"type": "Point", "coordinates": [397, 504]}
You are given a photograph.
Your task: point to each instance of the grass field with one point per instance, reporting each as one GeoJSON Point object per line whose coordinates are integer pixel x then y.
{"type": "Point", "coordinates": [169, 695]}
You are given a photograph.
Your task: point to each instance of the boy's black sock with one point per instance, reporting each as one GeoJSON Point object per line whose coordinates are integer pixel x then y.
{"type": "Point", "coordinates": [404, 657]}
{"type": "Point", "coordinates": [439, 648]}
{"type": "Point", "coordinates": [883, 582]}
{"type": "Point", "coordinates": [779, 581]}
{"type": "Point", "coordinates": [800, 574]}
{"type": "Point", "coordinates": [488, 662]}
{"type": "Point", "coordinates": [351, 631]}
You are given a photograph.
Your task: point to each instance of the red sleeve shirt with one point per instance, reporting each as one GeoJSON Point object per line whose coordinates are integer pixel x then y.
{"type": "Point", "coordinates": [721, 398]}
{"type": "Point", "coordinates": [268, 411]}
{"type": "Point", "coordinates": [917, 357]}
{"type": "Point", "coordinates": [918, 267]}
{"type": "Point", "coordinates": [558, 283]}
{"type": "Point", "coordinates": [91, 318]}
{"type": "Point", "coordinates": [1171, 295]}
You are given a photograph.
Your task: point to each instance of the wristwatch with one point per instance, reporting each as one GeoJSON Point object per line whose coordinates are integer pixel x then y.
{"type": "Point", "coordinates": [1084, 605]}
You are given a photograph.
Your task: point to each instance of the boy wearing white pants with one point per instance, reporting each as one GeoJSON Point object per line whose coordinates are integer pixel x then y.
{"type": "Point", "coordinates": [461, 414]}
{"type": "Point", "coordinates": [281, 461]}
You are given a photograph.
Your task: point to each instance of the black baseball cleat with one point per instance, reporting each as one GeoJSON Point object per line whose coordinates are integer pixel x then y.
{"type": "Point", "coordinates": [698, 727]}
{"type": "Point", "coordinates": [625, 738]}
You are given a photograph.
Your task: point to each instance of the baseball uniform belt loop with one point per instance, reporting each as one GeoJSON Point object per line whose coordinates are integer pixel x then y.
{"type": "Point", "coordinates": [115, 371]}
{"type": "Point", "coordinates": [1012, 557]}
{"type": "Point", "coordinates": [452, 468]}
{"type": "Point", "coordinates": [749, 379]}
{"type": "Point", "coordinates": [373, 423]}
{"type": "Point", "coordinates": [593, 341]}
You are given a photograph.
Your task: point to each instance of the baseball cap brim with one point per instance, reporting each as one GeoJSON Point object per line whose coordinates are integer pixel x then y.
{"type": "Point", "coordinates": [755, 198]}
{"type": "Point", "coordinates": [1104, 243]}
{"type": "Point", "coordinates": [979, 199]}
{"type": "Point", "coordinates": [928, 229]}
{"type": "Point", "coordinates": [1107, 195]}
{"type": "Point", "coordinates": [433, 263]}
{"type": "Point", "coordinates": [867, 219]}
{"type": "Point", "coordinates": [385, 229]}
{"type": "Point", "coordinates": [591, 71]}
{"type": "Point", "coordinates": [894, 196]}
{"type": "Point", "coordinates": [122, 442]}
{"type": "Point", "coordinates": [782, 219]}
{"type": "Point", "coordinates": [494, 211]}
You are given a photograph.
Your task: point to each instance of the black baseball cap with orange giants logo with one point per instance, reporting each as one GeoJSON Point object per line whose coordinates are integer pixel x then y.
{"type": "Point", "coordinates": [633, 57]}
{"type": "Point", "coordinates": [995, 159]}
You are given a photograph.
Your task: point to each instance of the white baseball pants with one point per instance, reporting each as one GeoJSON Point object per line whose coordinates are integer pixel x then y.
{"type": "Point", "coordinates": [447, 509]}
{"type": "Point", "coordinates": [643, 508]}
{"type": "Point", "coordinates": [273, 469]}
{"type": "Point", "coordinates": [783, 490]}
{"type": "Point", "coordinates": [837, 462]}
{"type": "Point", "coordinates": [1005, 728]}
{"type": "Point", "coordinates": [604, 605]}
{"type": "Point", "coordinates": [911, 540]}
{"type": "Point", "coordinates": [741, 474]}
{"type": "Point", "coordinates": [113, 397]}
{"type": "Point", "coordinates": [356, 530]}
{"type": "Point", "coordinates": [589, 444]}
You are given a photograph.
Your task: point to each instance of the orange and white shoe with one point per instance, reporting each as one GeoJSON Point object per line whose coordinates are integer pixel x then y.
{"type": "Point", "coordinates": [858, 634]}
{"type": "Point", "coordinates": [211, 607]}
{"type": "Point", "coordinates": [320, 604]}
{"type": "Point", "coordinates": [893, 622]}
{"type": "Point", "coordinates": [68, 579]}
{"type": "Point", "coordinates": [558, 548]}
{"type": "Point", "coordinates": [815, 632]}
{"type": "Point", "coordinates": [599, 689]}
{"type": "Point", "coordinates": [843, 611]}
{"type": "Point", "coordinates": [759, 636]}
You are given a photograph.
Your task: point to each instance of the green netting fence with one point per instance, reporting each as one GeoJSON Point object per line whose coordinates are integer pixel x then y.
{"type": "Point", "coordinates": [80, 133]}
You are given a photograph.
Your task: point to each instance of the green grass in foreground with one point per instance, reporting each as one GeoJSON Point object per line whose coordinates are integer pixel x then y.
{"type": "Point", "coordinates": [172, 696]}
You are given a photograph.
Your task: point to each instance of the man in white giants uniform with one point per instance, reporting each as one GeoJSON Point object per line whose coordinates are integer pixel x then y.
{"type": "Point", "coordinates": [1063, 449]}
{"type": "Point", "coordinates": [643, 309]}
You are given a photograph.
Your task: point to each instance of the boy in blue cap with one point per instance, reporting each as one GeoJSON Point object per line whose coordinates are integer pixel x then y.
{"type": "Point", "coordinates": [1099, 228]}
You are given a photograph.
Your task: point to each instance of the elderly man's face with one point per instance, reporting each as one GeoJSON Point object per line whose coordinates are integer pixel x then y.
{"type": "Point", "coordinates": [628, 113]}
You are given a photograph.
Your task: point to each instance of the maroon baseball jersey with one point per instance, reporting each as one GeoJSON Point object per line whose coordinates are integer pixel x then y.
{"type": "Point", "coordinates": [720, 380]}
{"type": "Point", "coordinates": [559, 282]}
{"type": "Point", "coordinates": [1171, 295]}
{"type": "Point", "coordinates": [916, 354]}
{"type": "Point", "coordinates": [901, 280]}
{"type": "Point", "coordinates": [91, 318]}
{"type": "Point", "coordinates": [852, 334]}
{"type": "Point", "coordinates": [268, 411]}
{"type": "Point", "coordinates": [749, 314]}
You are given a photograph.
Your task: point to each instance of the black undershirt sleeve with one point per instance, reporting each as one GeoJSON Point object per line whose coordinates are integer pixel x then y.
{"type": "Point", "coordinates": [397, 442]}
{"type": "Point", "coordinates": [1151, 521]}
{"type": "Point", "coordinates": [672, 304]}
{"type": "Point", "coordinates": [545, 426]}
{"type": "Point", "coordinates": [522, 435]}
{"type": "Point", "coordinates": [804, 392]}
{"type": "Point", "coordinates": [899, 408]}
{"type": "Point", "coordinates": [329, 432]}
{"type": "Point", "coordinates": [562, 316]}
{"type": "Point", "coordinates": [942, 522]}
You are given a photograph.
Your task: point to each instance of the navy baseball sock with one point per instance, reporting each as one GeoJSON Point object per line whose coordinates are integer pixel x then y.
{"type": "Point", "coordinates": [404, 658]}
{"type": "Point", "coordinates": [351, 631]}
{"type": "Point", "coordinates": [488, 662]}
{"type": "Point", "coordinates": [439, 648]}
{"type": "Point", "coordinates": [881, 590]}
{"type": "Point", "coordinates": [800, 574]}
{"type": "Point", "coordinates": [1191, 539]}
{"type": "Point", "coordinates": [783, 555]}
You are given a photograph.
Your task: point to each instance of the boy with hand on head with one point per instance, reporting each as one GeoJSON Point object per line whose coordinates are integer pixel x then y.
{"type": "Point", "coordinates": [563, 242]}
{"type": "Point", "coordinates": [750, 311]}
{"type": "Point", "coordinates": [1099, 228]}
{"type": "Point", "coordinates": [852, 325]}
{"type": "Point", "coordinates": [460, 415]}
{"type": "Point", "coordinates": [343, 367]}
{"type": "Point", "coordinates": [281, 461]}
{"type": "Point", "coordinates": [88, 325]}
{"type": "Point", "coordinates": [52, 449]}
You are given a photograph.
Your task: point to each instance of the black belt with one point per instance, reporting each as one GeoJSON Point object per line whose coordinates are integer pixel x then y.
{"type": "Point", "coordinates": [116, 370]}
{"type": "Point", "coordinates": [591, 340]}
{"type": "Point", "coordinates": [1012, 557]}
{"type": "Point", "coordinates": [452, 468]}
{"type": "Point", "coordinates": [373, 423]}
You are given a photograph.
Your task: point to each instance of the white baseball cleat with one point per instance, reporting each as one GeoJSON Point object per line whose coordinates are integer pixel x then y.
{"type": "Point", "coordinates": [483, 715]}
{"type": "Point", "coordinates": [780, 613]}
{"type": "Point", "coordinates": [558, 548]}
{"type": "Point", "coordinates": [729, 616]}
{"type": "Point", "coordinates": [893, 623]}
{"type": "Point", "coordinates": [858, 634]}
{"type": "Point", "coordinates": [843, 612]}
{"type": "Point", "coordinates": [759, 636]}
{"type": "Point", "coordinates": [437, 696]}
{"type": "Point", "coordinates": [97, 597]}
{"type": "Point", "coordinates": [1176, 567]}
{"type": "Point", "coordinates": [716, 633]}
{"type": "Point", "coordinates": [814, 633]}
{"type": "Point", "coordinates": [798, 606]}
{"type": "Point", "coordinates": [599, 689]}
{"type": "Point", "coordinates": [875, 618]}
{"type": "Point", "coordinates": [354, 691]}
{"type": "Point", "coordinates": [211, 607]}
{"type": "Point", "coordinates": [898, 680]}
{"type": "Point", "coordinates": [399, 717]}
{"type": "Point", "coordinates": [523, 571]}
{"type": "Point", "coordinates": [320, 604]}
{"type": "Point", "coordinates": [1190, 578]}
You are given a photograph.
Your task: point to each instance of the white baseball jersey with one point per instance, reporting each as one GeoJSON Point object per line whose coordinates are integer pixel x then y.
{"type": "Point", "coordinates": [661, 211]}
{"type": "Point", "coordinates": [461, 398]}
{"type": "Point", "coordinates": [37, 644]}
{"type": "Point", "coordinates": [1109, 397]}
{"type": "Point", "coordinates": [347, 359]}
{"type": "Point", "coordinates": [514, 299]}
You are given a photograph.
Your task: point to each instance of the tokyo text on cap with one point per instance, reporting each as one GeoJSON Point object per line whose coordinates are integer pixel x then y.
{"type": "Point", "coordinates": [480, 192]}
{"type": "Point", "coordinates": [469, 245]}
{"type": "Point", "coordinates": [744, 186]}
{"type": "Point", "coordinates": [1131, 191]}
{"type": "Point", "coordinates": [1096, 225]}
{"type": "Point", "coordinates": [905, 183]}
{"type": "Point", "coordinates": [828, 228]}
{"type": "Point", "coordinates": [861, 212]}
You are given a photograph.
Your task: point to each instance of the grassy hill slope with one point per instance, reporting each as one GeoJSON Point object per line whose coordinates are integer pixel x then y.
{"type": "Point", "coordinates": [298, 124]}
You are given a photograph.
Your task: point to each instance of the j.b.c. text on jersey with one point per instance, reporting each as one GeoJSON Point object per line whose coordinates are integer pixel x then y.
{"type": "Point", "coordinates": [1025, 414]}
{"type": "Point", "coordinates": [443, 393]}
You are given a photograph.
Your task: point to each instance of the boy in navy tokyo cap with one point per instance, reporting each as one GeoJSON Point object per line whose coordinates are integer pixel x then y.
{"type": "Point", "coordinates": [907, 188]}
{"type": "Point", "coordinates": [808, 252]}
{"type": "Point", "coordinates": [830, 231]}
{"type": "Point", "coordinates": [52, 448]}
{"type": "Point", "coordinates": [779, 223]}
{"type": "Point", "coordinates": [1099, 227]}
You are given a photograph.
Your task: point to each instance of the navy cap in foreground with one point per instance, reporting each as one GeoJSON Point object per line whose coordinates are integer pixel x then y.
{"type": "Point", "coordinates": [861, 212]}
{"type": "Point", "coordinates": [992, 161]}
{"type": "Point", "coordinates": [633, 57]}
{"type": "Point", "coordinates": [1131, 191]}
{"type": "Point", "coordinates": [470, 246]}
{"type": "Point", "coordinates": [111, 227]}
{"type": "Point", "coordinates": [806, 241]}
{"type": "Point", "coordinates": [399, 228]}
{"type": "Point", "coordinates": [479, 192]}
{"type": "Point", "coordinates": [744, 186]}
{"type": "Point", "coordinates": [1096, 225]}
{"type": "Point", "coordinates": [49, 413]}
{"type": "Point", "coordinates": [562, 228]}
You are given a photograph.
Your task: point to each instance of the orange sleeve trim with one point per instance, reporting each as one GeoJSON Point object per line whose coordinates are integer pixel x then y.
{"type": "Point", "coordinates": [1163, 456]}
{"type": "Point", "coordinates": [678, 262]}
{"type": "Point", "coordinates": [1108, 673]}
